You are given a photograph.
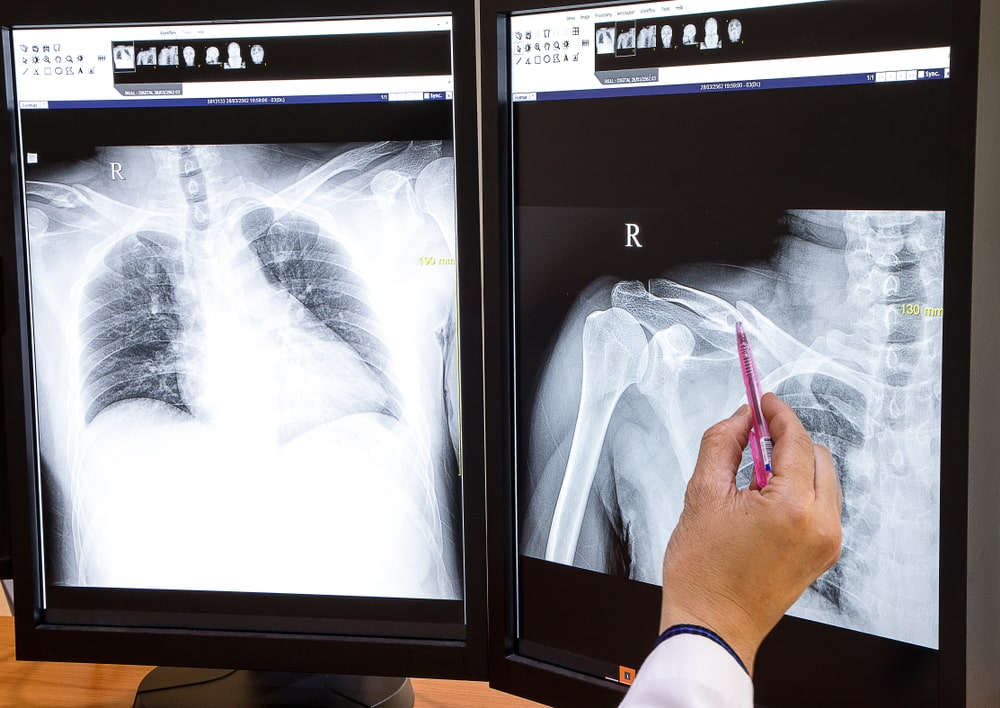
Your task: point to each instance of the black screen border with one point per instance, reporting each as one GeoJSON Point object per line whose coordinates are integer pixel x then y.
{"type": "Point", "coordinates": [6, 560]}
{"type": "Point", "coordinates": [397, 647]}
{"type": "Point", "coordinates": [789, 650]}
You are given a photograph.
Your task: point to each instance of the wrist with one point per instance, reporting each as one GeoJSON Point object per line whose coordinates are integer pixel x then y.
{"type": "Point", "coordinates": [704, 632]}
{"type": "Point", "coordinates": [736, 633]}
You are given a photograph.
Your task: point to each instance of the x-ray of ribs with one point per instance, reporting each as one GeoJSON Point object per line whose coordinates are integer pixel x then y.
{"type": "Point", "coordinates": [847, 321]}
{"type": "Point", "coordinates": [247, 380]}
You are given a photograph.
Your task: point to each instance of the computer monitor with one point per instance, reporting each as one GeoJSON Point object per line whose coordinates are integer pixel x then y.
{"type": "Point", "coordinates": [657, 172]}
{"type": "Point", "coordinates": [243, 299]}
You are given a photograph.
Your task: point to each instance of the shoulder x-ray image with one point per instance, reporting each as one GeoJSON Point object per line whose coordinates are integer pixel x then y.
{"type": "Point", "coordinates": [245, 371]}
{"type": "Point", "coordinates": [845, 321]}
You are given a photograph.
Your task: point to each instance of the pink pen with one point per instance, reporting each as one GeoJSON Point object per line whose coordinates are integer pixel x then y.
{"type": "Point", "coordinates": [760, 437]}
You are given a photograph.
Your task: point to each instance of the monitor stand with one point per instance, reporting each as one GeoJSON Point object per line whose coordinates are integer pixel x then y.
{"type": "Point", "coordinates": [166, 687]}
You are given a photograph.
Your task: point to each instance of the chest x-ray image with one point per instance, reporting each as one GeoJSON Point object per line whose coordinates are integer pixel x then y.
{"type": "Point", "coordinates": [123, 57]}
{"type": "Point", "coordinates": [647, 37]}
{"type": "Point", "coordinates": [625, 39]}
{"type": "Point", "coordinates": [605, 40]}
{"type": "Point", "coordinates": [845, 319]}
{"type": "Point", "coordinates": [246, 376]}
{"type": "Point", "coordinates": [169, 56]}
{"type": "Point", "coordinates": [146, 57]}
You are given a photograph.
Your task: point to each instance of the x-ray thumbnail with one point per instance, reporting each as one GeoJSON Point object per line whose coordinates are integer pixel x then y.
{"type": "Point", "coordinates": [146, 57]}
{"type": "Point", "coordinates": [123, 57]}
{"type": "Point", "coordinates": [845, 316]}
{"type": "Point", "coordinates": [605, 40]}
{"type": "Point", "coordinates": [246, 368]}
{"type": "Point", "coordinates": [625, 39]}
{"type": "Point", "coordinates": [647, 37]}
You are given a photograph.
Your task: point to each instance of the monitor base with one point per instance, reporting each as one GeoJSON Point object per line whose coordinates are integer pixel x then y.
{"type": "Point", "coordinates": [167, 687]}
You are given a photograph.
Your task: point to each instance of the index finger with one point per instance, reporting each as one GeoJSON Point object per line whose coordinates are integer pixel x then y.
{"type": "Point", "coordinates": [793, 457]}
{"type": "Point", "coordinates": [720, 451]}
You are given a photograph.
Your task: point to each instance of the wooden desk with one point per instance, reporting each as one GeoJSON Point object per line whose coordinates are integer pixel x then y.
{"type": "Point", "coordinates": [33, 684]}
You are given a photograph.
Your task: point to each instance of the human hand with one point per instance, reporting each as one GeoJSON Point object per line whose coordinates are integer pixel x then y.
{"type": "Point", "coordinates": [738, 559]}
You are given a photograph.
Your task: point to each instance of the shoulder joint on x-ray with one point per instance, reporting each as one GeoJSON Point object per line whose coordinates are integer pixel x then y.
{"type": "Point", "coordinates": [863, 376]}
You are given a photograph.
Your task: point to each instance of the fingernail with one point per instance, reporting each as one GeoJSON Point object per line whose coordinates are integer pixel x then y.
{"type": "Point", "coordinates": [739, 411]}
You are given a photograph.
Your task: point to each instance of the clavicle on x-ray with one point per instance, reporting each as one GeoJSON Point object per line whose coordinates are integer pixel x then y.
{"type": "Point", "coordinates": [246, 375]}
{"type": "Point", "coordinates": [845, 322]}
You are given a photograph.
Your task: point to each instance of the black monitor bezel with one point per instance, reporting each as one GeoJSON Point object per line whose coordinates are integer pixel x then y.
{"type": "Point", "coordinates": [6, 560]}
{"type": "Point", "coordinates": [6, 563]}
{"type": "Point", "coordinates": [6, 536]}
{"type": "Point", "coordinates": [394, 648]}
{"type": "Point", "coordinates": [792, 645]}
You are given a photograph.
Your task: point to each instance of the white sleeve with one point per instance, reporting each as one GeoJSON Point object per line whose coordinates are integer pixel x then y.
{"type": "Point", "coordinates": [689, 671]}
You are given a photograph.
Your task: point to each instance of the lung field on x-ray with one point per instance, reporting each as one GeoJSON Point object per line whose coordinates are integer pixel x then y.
{"type": "Point", "coordinates": [845, 318]}
{"type": "Point", "coordinates": [241, 363]}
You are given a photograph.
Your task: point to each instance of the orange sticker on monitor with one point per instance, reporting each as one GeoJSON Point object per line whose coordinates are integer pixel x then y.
{"type": "Point", "coordinates": [626, 675]}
